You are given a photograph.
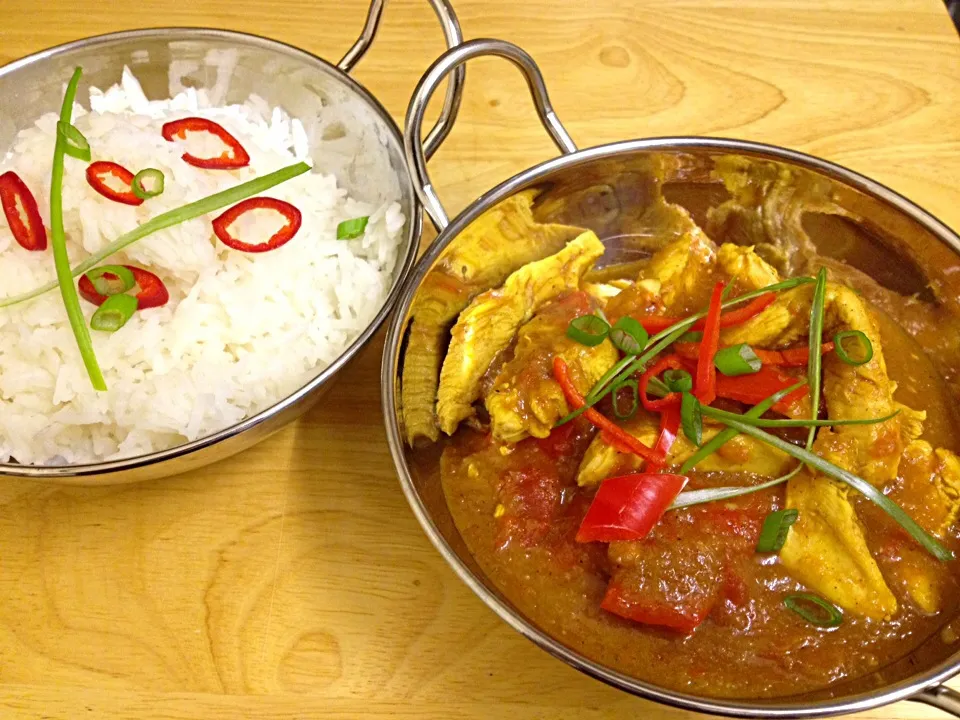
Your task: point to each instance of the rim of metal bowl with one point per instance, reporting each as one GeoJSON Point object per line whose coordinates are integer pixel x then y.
{"type": "Point", "coordinates": [789, 708]}
{"type": "Point", "coordinates": [64, 473]}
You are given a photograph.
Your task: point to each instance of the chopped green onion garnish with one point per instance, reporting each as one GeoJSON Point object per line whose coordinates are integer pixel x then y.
{"type": "Point", "coordinates": [866, 347]}
{"type": "Point", "coordinates": [588, 330]}
{"type": "Point", "coordinates": [721, 438]}
{"type": "Point", "coordinates": [797, 422]}
{"type": "Point", "coordinates": [74, 143]}
{"type": "Point", "coordinates": [773, 534]}
{"type": "Point", "coordinates": [121, 281]}
{"type": "Point", "coordinates": [629, 336]}
{"type": "Point", "coordinates": [815, 360]}
{"type": "Point", "coordinates": [114, 313]}
{"type": "Point", "coordinates": [58, 241]}
{"type": "Point", "coordinates": [691, 418]}
{"type": "Point", "coordinates": [630, 384]}
{"type": "Point", "coordinates": [173, 217]}
{"type": "Point", "coordinates": [706, 495]}
{"type": "Point", "coordinates": [925, 539]}
{"type": "Point", "coordinates": [350, 229]}
{"type": "Point", "coordinates": [737, 360]}
{"type": "Point", "coordinates": [154, 177]}
{"type": "Point", "coordinates": [678, 380]}
{"type": "Point", "coordinates": [825, 614]}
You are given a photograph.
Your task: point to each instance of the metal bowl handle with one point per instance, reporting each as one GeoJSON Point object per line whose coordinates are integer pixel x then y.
{"type": "Point", "coordinates": [454, 58]}
{"type": "Point", "coordinates": [941, 697]}
{"type": "Point", "coordinates": [452, 34]}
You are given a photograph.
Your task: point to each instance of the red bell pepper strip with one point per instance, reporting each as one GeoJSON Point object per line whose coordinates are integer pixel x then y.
{"type": "Point", "coordinates": [669, 427]}
{"type": "Point", "coordinates": [23, 216]}
{"type": "Point", "coordinates": [630, 605]}
{"type": "Point", "coordinates": [627, 507]}
{"type": "Point", "coordinates": [234, 155]}
{"type": "Point", "coordinates": [221, 224]}
{"type": "Point", "coordinates": [153, 293]}
{"type": "Point", "coordinates": [669, 362]}
{"type": "Point", "coordinates": [655, 323]}
{"type": "Point", "coordinates": [705, 385]}
{"type": "Point", "coordinates": [793, 357]}
{"type": "Point", "coordinates": [752, 389]}
{"type": "Point", "coordinates": [612, 432]}
{"type": "Point", "coordinates": [97, 174]}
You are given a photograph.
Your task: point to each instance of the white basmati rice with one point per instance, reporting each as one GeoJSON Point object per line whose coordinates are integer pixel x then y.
{"type": "Point", "coordinates": [241, 331]}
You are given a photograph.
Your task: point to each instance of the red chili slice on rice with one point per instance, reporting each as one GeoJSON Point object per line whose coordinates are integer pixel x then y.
{"type": "Point", "coordinates": [153, 293]}
{"type": "Point", "coordinates": [221, 225]}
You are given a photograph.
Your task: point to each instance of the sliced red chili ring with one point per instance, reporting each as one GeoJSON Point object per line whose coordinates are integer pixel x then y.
{"type": "Point", "coordinates": [221, 224]}
{"type": "Point", "coordinates": [99, 172]}
{"type": "Point", "coordinates": [153, 293]}
{"type": "Point", "coordinates": [23, 216]}
{"type": "Point", "coordinates": [234, 156]}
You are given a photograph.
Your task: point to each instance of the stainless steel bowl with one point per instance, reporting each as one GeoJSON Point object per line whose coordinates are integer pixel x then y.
{"type": "Point", "coordinates": [565, 185]}
{"type": "Point", "coordinates": [230, 66]}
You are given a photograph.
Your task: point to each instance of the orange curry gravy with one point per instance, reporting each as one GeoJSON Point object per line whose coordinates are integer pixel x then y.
{"type": "Point", "coordinates": [518, 509]}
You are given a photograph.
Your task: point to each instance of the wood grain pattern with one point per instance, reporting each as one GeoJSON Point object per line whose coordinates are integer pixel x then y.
{"type": "Point", "coordinates": [292, 581]}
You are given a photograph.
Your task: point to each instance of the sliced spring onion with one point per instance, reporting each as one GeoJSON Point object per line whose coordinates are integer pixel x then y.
{"type": "Point", "coordinates": [58, 241]}
{"type": "Point", "coordinates": [825, 615]}
{"type": "Point", "coordinates": [588, 330]}
{"type": "Point", "coordinates": [677, 381]}
{"type": "Point", "coordinates": [897, 513]}
{"type": "Point", "coordinates": [114, 313]}
{"type": "Point", "coordinates": [74, 143]}
{"type": "Point", "coordinates": [774, 531]}
{"type": "Point", "coordinates": [815, 361]}
{"type": "Point", "coordinates": [737, 360]}
{"type": "Point", "coordinates": [798, 422]}
{"type": "Point", "coordinates": [866, 347]}
{"type": "Point", "coordinates": [691, 419]}
{"type": "Point", "coordinates": [728, 288]}
{"type": "Point", "coordinates": [706, 495]}
{"type": "Point", "coordinates": [170, 218]}
{"type": "Point", "coordinates": [630, 384]}
{"type": "Point", "coordinates": [350, 229]}
{"type": "Point", "coordinates": [629, 336]}
{"type": "Point", "coordinates": [121, 281]}
{"type": "Point", "coordinates": [154, 177]}
{"type": "Point", "coordinates": [721, 438]}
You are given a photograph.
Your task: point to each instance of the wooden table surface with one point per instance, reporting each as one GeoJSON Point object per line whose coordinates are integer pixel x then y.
{"type": "Point", "coordinates": [292, 581]}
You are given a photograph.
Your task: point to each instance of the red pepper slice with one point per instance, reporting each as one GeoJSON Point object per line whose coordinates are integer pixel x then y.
{"type": "Point", "coordinates": [97, 174]}
{"type": "Point", "coordinates": [705, 385]}
{"type": "Point", "coordinates": [669, 362]}
{"type": "Point", "coordinates": [751, 389]}
{"type": "Point", "coordinates": [221, 225]}
{"type": "Point", "coordinates": [627, 507]}
{"type": "Point", "coordinates": [792, 357]}
{"type": "Point", "coordinates": [153, 293]}
{"type": "Point", "coordinates": [656, 323]}
{"type": "Point", "coordinates": [620, 437]}
{"type": "Point", "coordinates": [234, 156]}
{"type": "Point", "coordinates": [23, 216]}
{"type": "Point", "coordinates": [669, 427]}
{"type": "Point", "coordinates": [683, 617]}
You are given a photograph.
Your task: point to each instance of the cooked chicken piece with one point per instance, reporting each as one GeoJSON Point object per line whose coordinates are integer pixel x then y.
{"type": "Point", "coordinates": [750, 270]}
{"type": "Point", "coordinates": [741, 454]}
{"type": "Point", "coordinates": [602, 291]}
{"type": "Point", "coordinates": [525, 399]}
{"type": "Point", "coordinates": [682, 269]}
{"type": "Point", "coordinates": [784, 323]}
{"type": "Point", "coordinates": [826, 549]}
{"type": "Point", "coordinates": [494, 245]}
{"type": "Point", "coordinates": [491, 320]}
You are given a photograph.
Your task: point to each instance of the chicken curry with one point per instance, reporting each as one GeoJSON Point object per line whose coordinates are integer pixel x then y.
{"type": "Point", "coordinates": [717, 469]}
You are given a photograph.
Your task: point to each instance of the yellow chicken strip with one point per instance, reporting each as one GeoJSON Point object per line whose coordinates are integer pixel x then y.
{"type": "Point", "coordinates": [494, 245]}
{"type": "Point", "coordinates": [741, 454]}
{"type": "Point", "coordinates": [526, 399]}
{"type": "Point", "coordinates": [750, 270]}
{"type": "Point", "coordinates": [681, 268]}
{"type": "Point", "coordinates": [488, 324]}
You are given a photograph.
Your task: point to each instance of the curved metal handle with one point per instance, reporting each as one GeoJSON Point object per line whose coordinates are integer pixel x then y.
{"type": "Point", "coordinates": [454, 58]}
{"type": "Point", "coordinates": [453, 36]}
{"type": "Point", "coordinates": [941, 697]}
